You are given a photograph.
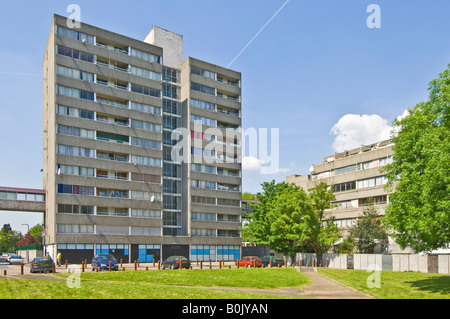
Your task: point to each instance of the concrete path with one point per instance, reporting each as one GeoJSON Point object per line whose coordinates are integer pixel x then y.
{"type": "Point", "coordinates": [326, 288]}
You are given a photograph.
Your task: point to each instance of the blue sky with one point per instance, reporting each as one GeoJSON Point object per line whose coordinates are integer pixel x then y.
{"type": "Point", "coordinates": [313, 64]}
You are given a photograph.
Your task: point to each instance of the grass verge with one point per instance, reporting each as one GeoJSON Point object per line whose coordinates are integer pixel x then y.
{"type": "Point", "coordinates": [170, 284]}
{"type": "Point", "coordinates": [394, 285]}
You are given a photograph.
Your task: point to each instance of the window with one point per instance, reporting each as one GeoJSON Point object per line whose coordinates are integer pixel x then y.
{"type": "Point", "coordinates": [145, 143]}
{"type": "Point", "coordinates": [202, 152]}
{"type": "Point", "coordinates": [203, 232]}
{"type": "Point", "coordinates": [153, 197]}
{"type": "Point", "coordinates": [170, 106]}
{"type": "Point", "coordinates": [203, 168]}
{"type": "Point", "coordinates": [229, 202]}
{"type": "Point", "coordinates": [370, 182]}
{"type": "Point", "coordinates": [145, 56]}
{"type": "Point", "coordinates": [75, 209]}
{"type": "Point", "coordinates": [112, 211]}
{"type": "Point", "coordinates": [75, 170]}
{"type": "Point", "coordinates": [75, 189]}
{"type": "Point", "coordinates": [112, 193]}
{"type": "Point", "coordinates": [75, 131]}
{"type": "Point", "coordinates": [112, 156]}
{"type": "Point", "coordinates": [73, 73]}
{"type": "Point", "coordinates": [147, 178]}
{"type": "Point", "coordinates": [70, 33]}
{"type": "Point", "coordinates": [204, 73]}
{"type": "Point", "coordinates": [80, 94]}
{"type": "Point", "coordinates": [146, 126]}
{"type": "Point", "coordinates": [170, 186]}
{"type": "Point", "coordinates": [145, 73]}
{"type": "Point", "coordinates": [169, 90]}
{"type": "Point", "coordinates": [145, 108]}
{"type": "Point", "coordinates": [111, 137]}
{"type": "Point", "coordinates": [75, 151]}
{"type": "Point", "coordinates": [149, 161]}
{"type": "Point", "coordinates": [203, 184]}
{"type": "Point", "coordinates": [344, 186]}
{"type": "Point", "coordinates": [203, 216]}
{"type": "Point", "coordinates": [146, 231]}
{"type": "Point", "coordinates": [228, 218]}
{"type": "Point", "coordinates": [75, 112]}
{"type": "Point", "coordinates": [145, 90]}
{"type": "Point", "coordinates": [228, 233]}
{"type": "Point", "coordinates": [203, 105]}
{"type": "Point", "coordinates": [112, 230]}
{"type": "Point", "coordinates": [203, 88]}
{"type": "Point", "coordinates": [75, 54]}
{"type": "Point", "coordinates": [169, 75]}
{"type": "Point", "coordinates": [145, 213]}
{"type": "Point", "coordinates": [75, 229]}
{"type": "Point", "coordinates": [203, 120]}
{"type": "Point", "coordinates": [203, 200]}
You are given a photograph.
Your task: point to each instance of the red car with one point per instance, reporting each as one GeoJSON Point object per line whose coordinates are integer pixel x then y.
{"type": "Point", "coordinates": [249, 261]}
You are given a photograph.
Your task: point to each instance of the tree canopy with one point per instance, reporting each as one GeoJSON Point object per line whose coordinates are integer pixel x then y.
{"type": "Point", "coordinates": [419, 176]}
{"type": "Point", "coordinates": [290, 220]}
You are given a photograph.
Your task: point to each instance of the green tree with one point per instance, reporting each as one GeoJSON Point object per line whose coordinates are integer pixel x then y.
{"type": "Point", "coordinates": [291, 221]}
{"type": "Point", "coordinates": [419, 176]}
{"type": "Point", "coordinates": [347, 246]}
{"type": "Point", "coordinates": [36, 232]}
{"type": "Point", "coordinates": [8, 239]}
{"type": "Point", "coordinates": [368, 231]}
{"type": "Point", "coordinates": [248, 195]}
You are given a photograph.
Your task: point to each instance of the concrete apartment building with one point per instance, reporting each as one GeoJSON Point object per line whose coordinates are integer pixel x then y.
{"type": "Point", "coordinates": [356, 178]}
{"type": "Point", "coordinates": [113, 185]}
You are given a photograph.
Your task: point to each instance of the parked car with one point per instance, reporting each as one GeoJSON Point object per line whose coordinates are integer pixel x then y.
{"type": "Point", "coordinates": [15, 259]}
{"type": "Point", "coordinates": [249, 261]}
{"type": "Point", "coordinates": [276, 262]}
{"type": "Point", "coordinates": [174, 262]}
{"type": "Point", "coordinates": [41, 264]}
{"type": "Point", "coordinates": [102, 262]}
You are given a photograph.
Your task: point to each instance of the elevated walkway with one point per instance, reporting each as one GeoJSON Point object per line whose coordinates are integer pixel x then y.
{"type": "Point", "coordinates": [22, 199]}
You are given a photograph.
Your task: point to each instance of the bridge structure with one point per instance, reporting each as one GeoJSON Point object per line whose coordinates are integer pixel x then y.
{"type": "Point", "coordinates": [22, 199]}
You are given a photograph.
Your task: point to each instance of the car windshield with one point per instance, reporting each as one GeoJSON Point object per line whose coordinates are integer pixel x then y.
{"type": "Point", "coordinates": [177, 258]}
{"type": "Point", "coordinates": [106, 258]}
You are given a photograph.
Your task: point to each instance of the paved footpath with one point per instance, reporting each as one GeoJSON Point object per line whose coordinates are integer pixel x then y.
{"type": "Point", "coordinates": [326, 288]}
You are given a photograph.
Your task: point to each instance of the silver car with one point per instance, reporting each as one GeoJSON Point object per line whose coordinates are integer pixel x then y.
{"type": "Point", "coordinates": [15, 259]}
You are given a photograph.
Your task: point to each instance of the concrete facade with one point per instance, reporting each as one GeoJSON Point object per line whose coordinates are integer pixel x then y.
{"type": "Point", "coordinates": [111, 104]}
{"type": "Point", "coordinates": [356, 178]}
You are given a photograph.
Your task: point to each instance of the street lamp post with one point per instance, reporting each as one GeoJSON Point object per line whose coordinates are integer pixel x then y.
{"type": "Point", "coordinates": [28, 256]}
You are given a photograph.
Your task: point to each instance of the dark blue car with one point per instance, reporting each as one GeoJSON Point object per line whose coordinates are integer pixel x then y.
{"type": "Point", "coordinates": [102, 262]}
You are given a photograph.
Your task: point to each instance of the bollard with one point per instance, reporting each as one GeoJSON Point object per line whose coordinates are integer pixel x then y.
{"type": "Point", "coordinates": [153, 262]}
{"type": "Point", "coordinates": [220, 264]}
{"type": "Point", "coordinates": [120, 262]}
{"type": "Point", "coordinates": [123, 268]}
{"type": "Point", "coordinates": [237, 264]}
{"type": "Point", "coordinates": [4, 272]}
{"type": "Point", "coordinates": [138, 262]}
{"type": "Point", "coordinates": [201, 264]}
{"type": "Point", "coordinates": [53, 268]}
{"type": "Point", "coordinates": [181, 266]}
{"type": "Point", "coordinates": [96, 269]}
{"type": "Point", "coordinates": [67, 263]}
{"type": "Point", "coordinates": [285, 263]}
{"type": "Point", "coordinates": [327, 263]}
{"type": "Point", "coordinates": [314, 263]}
{"type": "Point", "coordinates": [197, 261]}
{"type": "Point", "coordinates": [254, 263]}
{"type": "Point", "coordinates": [21, 268]}
{"type": "Point", "coordinates": [229, 266]}
{"type": "Point", "coordinates": [210, 263]}
{"type": "Point", "coordinates": [159, 264]}
{"type": "Point", "coordinates": [135, 265]}
{"type": "Point", "coordinates": [146, 268]}
{"type": "Point", "coordinates": [270, 263]}
{"type": "Point", "coordinates": [82, 267]}
{"type": "Point", "coordinates": [109, 265]}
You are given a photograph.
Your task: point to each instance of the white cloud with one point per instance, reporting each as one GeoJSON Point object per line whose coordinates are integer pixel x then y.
{"type": "Point", "coordinates": [251, 163]}
{"type": "Point", "coordinates": [354, 130]}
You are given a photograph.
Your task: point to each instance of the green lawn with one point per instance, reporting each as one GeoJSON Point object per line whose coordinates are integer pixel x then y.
{"type": "Point", "coordinates": [168, 284]}
{"type": "Point", "coordinates": [394, 285]}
